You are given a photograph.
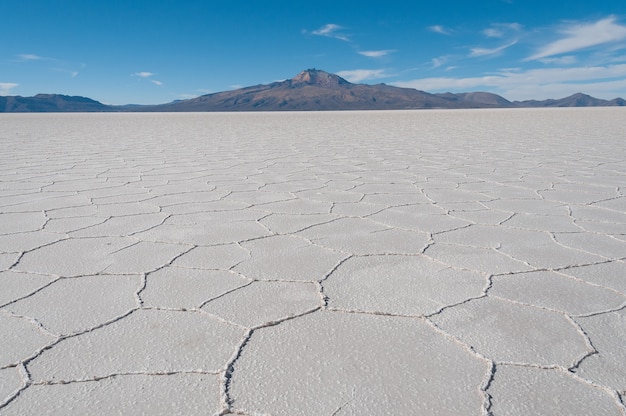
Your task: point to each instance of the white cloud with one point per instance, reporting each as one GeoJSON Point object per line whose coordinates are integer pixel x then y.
{"type": "Point", "coordinates": [6, 87]}
{"type": "Point", "coordinates": [59, 64]}
{"type": "Point", "coordinates": [30, 57]}
{"type": "Point", "coordinates": [451, 84]}
{"type": "Point", "coordinates": [582, 36]}
{"type": "Point", "coordinates": [437, 62]}
{"type": "Point", "coordinates": [512, 26]}
{"type": "Point", "coordinates": [498, 30]}
{"type": "Point", "coordinates": [331, 30]}
{"type": "Point", "coordinates": [494, 51]}
{"type": "Point", "coordinates": [562, 60]}
{"type": "Point", "coordinates": [376, 54]}
{"type": "Point", "coordinates": [599, 89]}
{"type": "Point", "coordinates": [440, 29]}
{"type": "Point", "coordinates": [493, 33]}
{"type": "Point", "coordinates": [600, 81]}
{"type": "Point", "coordinates": [147, 75]}
{"type": "Point", "coordinates": [358, 75]}
{"type": "Point", "coordinates": [65, 70]}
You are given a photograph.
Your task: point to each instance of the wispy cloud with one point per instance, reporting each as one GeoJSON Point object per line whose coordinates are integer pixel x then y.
{"type": "Point", "coordinates": [439, 61]}
{"type": "Point", "coordinates": [581, 36]}
{"type": "Point", "coordinates": [561, 60]}
{"type": "Point", "coordinates": [499, 30]}
{"type": "Point", "coordinates": [144, 74]}
{"type": "Point", "coordinates": [376, 54]}
{"type": "Point", "coordinates": [494, 51]}
{"type": "Point", "coordinates": [332, 30]}
{"type": "Point", "coordinates": [6, 87]}
{"type": "Point", "coordinates": [30, 57]}
{"type": "Point", "coordinates": [358, 75]}
{"type": "Point", "coordinates": [147, 75]}
{"type": "Point", "coordinates": [493, 33]}
{"type": "Point", "coordinates": [440, 29]}
{"type": "Point", "coordinates": [69, 69]}
{"type": "Point", "coordinates": [602, 81]}
{"type": "Point", "coordinates": [59, 65]}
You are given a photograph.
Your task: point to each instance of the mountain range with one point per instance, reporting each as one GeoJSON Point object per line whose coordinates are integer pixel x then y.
{"type": "Point", "coordinates": [310, 90]}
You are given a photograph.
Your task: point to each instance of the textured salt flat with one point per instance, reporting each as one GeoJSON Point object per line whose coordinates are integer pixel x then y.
{"type": "Point", "coordinates": [411, 262]}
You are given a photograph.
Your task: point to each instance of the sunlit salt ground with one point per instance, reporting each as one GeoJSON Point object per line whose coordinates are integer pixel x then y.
{"type": "Point", "coordinates": [349, 263]}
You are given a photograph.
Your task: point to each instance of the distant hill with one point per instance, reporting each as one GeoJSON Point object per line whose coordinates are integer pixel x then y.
{"type": "Point", "coordinates": [310, 90]}
{"type": "Point", "coordinates": [576, 100]}
{"type": "Point", "coordinates": [46, 103]}
{"type": "Point", "coordinates": [476, 99]}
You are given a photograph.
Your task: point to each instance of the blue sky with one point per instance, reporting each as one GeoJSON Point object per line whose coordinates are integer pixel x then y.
{"type": "Point", "coordinates": [136, 51]}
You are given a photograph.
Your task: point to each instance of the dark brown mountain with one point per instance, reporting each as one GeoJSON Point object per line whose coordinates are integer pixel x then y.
{"type": "Point", "coordinates": [477, 99]}
{"type": "Point", "coordinates": [45, 103]}
{"type": "Point", "coordinates": [575, 100]}
{"type": "Point", "coordinates": [313, 90]}
{"type": "Point", "coordinates": [310, 90]}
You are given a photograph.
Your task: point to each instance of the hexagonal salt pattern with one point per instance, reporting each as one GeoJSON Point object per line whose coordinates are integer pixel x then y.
{"type": "Point", "coordinates": [356, 363]}
{"type": "Point", "coordinates": [608, 366]}
{"type": "Point", "coordinates": [10, 383]}
{"type": "Point", "coordinates": [263, 303]}
{"type": "Point", "coordinates": [189, 394]}
{"type": "Point", "coordinates": [407, 262]}
{"type": "Point", "coordinates": [526, 390]}
{"type": "Point", "coordinates": [272, 258]}
{"type": "Point", "coordinates": [511, 332]}
{"type": "Point", "coordinates": [23, 338]}
{"type": "Point", "coordinates": [146, 341]}
{"type": "Point", "coordinates": [402, 285]}
{"type": "Point", "coordinates": [83, 302]}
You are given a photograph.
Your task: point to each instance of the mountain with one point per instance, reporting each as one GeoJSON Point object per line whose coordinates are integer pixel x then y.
{"type": "Point", "coordinates": [315, 89]}
{"type": "Point", "coordinates": [310, 90]}
{"type": "Point", "coordinates": [575, 100]}
{"type": "Point", "coordinates": [478, 99]}
{"type": "Point", "coordinates": [45, 103]}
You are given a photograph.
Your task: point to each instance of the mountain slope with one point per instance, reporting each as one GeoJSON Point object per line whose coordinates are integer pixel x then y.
{"type": "Point", "coordinates": [313, 90]}
{"type": "Point", "coordinates": [575, 100]}
{"type": "Point", "coordinates": [43, 103]}
{"type": "Point", "coordinates": [310, 90]}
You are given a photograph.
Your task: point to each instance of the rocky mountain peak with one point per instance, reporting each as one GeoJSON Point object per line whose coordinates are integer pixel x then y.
{"type": "Point", "coordinates": [319, 78]}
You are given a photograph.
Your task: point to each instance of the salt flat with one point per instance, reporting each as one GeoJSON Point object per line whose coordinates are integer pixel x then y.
{"type": "Point", "coordinates": [412, 262]}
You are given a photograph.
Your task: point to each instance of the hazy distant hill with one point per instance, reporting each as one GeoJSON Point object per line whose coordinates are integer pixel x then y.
{"type": "Point", "coordinates": [310, 90]}
{"type": "Point", "coordinates": [576, 100]}
{"type": "Point", "coordinates": [477, 99]}
{"type": "Point", "coordinates": [44, 103]}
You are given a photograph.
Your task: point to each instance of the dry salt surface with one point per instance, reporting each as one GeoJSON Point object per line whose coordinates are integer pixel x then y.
{"type": "Point", "coordinates": [349, 263]}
